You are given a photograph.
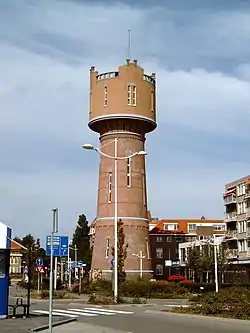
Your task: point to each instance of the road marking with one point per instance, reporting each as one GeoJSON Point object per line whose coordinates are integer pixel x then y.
{"type": "Point", "coordinates": [87, 312]}
{"type": "Point", "coordinates": [109, 310]}
{"type": "Point", "coordinates": [75, 312]}
{"type": "Point", "coordinates": [177, 305]}
{"type": "Point", "coordinates": [54, 313]}
{"type": "Point", "coordinates": [95, 311]}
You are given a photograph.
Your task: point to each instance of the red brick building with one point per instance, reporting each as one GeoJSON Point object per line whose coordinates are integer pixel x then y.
{"type": "Point", "coordinates": [166, 235]}
{"type": "Point", "coordinates": [123, 110]}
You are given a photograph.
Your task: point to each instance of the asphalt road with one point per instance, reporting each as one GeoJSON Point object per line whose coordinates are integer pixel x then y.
{"type": "Point", "coordinates": [139, 319]}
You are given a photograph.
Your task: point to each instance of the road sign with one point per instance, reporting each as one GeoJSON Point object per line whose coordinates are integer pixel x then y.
{"type": "Point", "coordinates": [40, 269]}
{"type": "Point", "coordinates": [112, 262]}
{"type": "Point", "coordinates": [80, 264]}
{"type": "Point", "coordinates": [25, 271]}
{"type": "Point", "coordinates": [60, 246]}
{"type": "Point", "coordinates": [39, 262]}
{"type": "Point", "coordinates": [175, 263]}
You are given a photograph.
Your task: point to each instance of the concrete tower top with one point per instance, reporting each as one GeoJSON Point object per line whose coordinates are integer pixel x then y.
{"type": "Point", "coordinates": [128, 93]}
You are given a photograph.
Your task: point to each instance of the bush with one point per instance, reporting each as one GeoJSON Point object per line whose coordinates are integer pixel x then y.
{"type": "Point", "coordinates": [44, 294]}
{"type": "Point", "coordinates": [136, 289]}
{"type": "Point", "coordinates": [233, 303]}
{"type": "Point", "coordinates": [176, 278]}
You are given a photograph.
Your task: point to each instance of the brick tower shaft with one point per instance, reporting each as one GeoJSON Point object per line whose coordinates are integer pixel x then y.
{"type": "Point", "coordinates": [122, 107]}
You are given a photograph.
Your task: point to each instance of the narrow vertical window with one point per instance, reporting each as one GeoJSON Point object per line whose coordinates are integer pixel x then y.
{"type": "Point", "coordinates": [128, 172]}
{"type": "Point", "coordinates": [152, 101]}
{"type": "Point", "coordinates": [107, 248]}
{"type": "Point", "coordinates": [144, 189]}
{"type": "Point", "coordinates": [109, 186]}
{"type": "Point", "coordinates": [105, 96]}
{"type": "Point", "coordinates": [132, 95]}
{"type": "Point", "coordinates": [148, 249]}
{"type": "Point", "coordinates": [90, 102]}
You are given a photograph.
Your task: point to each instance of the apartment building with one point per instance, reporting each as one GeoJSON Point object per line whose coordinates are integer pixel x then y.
{"type": "Point", "coordinates": [237, 216]}
{"type": "Point", "coordinates": [166, 236]}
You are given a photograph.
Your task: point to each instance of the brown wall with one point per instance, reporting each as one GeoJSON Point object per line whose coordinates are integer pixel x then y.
{"type": "Point", "coordinates": [128, 124]}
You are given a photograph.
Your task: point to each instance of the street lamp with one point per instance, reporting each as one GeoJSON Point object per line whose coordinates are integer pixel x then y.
{"type": "Point", "coordinates": [141, 257]}
{"type": "Point", "coordinates": [116, 158]}
{"type": "Point", "coordinates": [214, 242]}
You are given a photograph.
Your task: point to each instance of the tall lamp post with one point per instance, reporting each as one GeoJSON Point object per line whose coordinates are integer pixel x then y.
{"type": "Point", "coordinates": [141, 257]}
{"type": "Point", "coordinates": [115, 158]}
{"type": "Point", "coordinates": [214, 242]}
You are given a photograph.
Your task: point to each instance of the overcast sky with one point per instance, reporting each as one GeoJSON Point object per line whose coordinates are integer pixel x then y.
{"type": "Point", "coordinates": [200, 51]}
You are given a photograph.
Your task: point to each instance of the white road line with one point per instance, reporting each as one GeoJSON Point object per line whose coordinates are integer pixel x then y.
{"type": "Point", "coordinates": [76, 312]}
{"type": "Point", "coordinates": [55, 313]}
{"type": "Point", "coordinates": [109, 310]}
{"type": "Point", "coordinates": [96, 311]}
{"type": "Point", "coordinates": [177, 305]}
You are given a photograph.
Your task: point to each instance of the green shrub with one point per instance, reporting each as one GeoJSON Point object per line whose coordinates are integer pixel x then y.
{"type": "Point", "coordinates": [136, 289]}
{"type": "Point", "coordinates": [44, 294]}
{"type": "Point", "coordinates": [233, 303]}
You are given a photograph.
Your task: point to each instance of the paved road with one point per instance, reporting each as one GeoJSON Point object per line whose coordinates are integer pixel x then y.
{"type": "Point", "coordinates": [138, 319]}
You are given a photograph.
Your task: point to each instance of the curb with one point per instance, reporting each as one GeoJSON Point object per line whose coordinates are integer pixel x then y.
{"type": "Point", "coordinates": [58, 323]}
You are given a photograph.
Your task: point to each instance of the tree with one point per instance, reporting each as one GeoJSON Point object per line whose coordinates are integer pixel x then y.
{"type": "Point", "coordinates": [193, 261]}
{"type": "Point", "coordinates": [122, 252]}
{"type": "Point", "coordinates": [32, 250]}
{"type": "Point", "coordinates": [82, 242]}
{"type": "Point", "coordinates": [202, 260]}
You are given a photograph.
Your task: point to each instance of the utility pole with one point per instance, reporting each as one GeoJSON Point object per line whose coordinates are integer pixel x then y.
{"type": "Point", "coordinates": [53, 232]}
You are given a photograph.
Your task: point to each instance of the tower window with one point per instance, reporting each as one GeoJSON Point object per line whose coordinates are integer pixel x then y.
{"type": "Point", "coordinates": [152, 101]}
{"type": "Point", "coordinates": [109, 187]}
{"type": "Point", "coordinates": [128, 172]}
{"type": "Point", "coordinates": [107, 248]}
{"type": "Point", "coordinates": [132, 95]}
{"type": "Point", "coordinates": [105, 96]}
{"type": "Point", "coordinates": [144, 189]}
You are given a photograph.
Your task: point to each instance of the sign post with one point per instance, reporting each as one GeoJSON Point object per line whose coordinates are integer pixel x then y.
{"type": "Point", "coordinates": [39, 265]}
{"type": "Point", "coordinates": [53, 231]}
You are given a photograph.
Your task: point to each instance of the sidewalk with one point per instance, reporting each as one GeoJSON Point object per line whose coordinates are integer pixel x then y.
{"type": "Point", "coordinates": [77, 327]}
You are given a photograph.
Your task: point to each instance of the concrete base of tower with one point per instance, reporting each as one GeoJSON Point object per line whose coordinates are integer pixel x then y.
{"type": "Point", "coordinates": [136, 236]}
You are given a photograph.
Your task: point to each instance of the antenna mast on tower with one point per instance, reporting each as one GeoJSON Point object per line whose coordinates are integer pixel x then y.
{"type": "Point", "coordinates": [129, 45]}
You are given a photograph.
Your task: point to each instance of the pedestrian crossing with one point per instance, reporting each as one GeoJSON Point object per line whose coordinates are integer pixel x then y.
{"type": "Point", "coordinates": [85, 312]}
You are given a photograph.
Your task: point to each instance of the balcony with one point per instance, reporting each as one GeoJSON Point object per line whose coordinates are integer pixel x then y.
{"type": "Point", "coordinates": [231, 217]}
{"type": "Point", "coordinates": [233, 254]}
{"type": "Point", "coordinates": [229, 198]}
{"type": "Point", "coordinates": [247, 194]}
{"type": "Point", "coordinates": [232, 234]}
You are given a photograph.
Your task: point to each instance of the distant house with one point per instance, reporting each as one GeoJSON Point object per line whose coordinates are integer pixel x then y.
{"type": "Point", "coordinates": [16, 257]}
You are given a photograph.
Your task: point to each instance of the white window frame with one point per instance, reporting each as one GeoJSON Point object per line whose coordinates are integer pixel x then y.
{"type": "Point", "coordinates": [159, 239]}
{"type": "Point", "coordinates": [109, 187]}
{"type": "Point", "coordinates": [107, 247]}
{"type": "Point", "coordinates": [159, 253]}
{"type": "Point", "coordinates": [128, 171]}
{"type": "Point", "coordinates": [132, 95]}
{"type": "Point", "coordinates": [241, 208]}
{"type": "Point", "coordinates": [174, 225]}
{"type": "Point", "coordinates": [159, 270]}
{"type": "Point", "coordinates": [219, 227]}
{"type": "Point", "coordinates": [105, 96]}
{"type": "Point", "coordinates": [241, 189]}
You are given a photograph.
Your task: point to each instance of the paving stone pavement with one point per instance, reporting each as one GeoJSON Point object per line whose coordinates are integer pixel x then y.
{"type": "Point", "coordinates": [83, 328]}
{"type": "Point", "coordinates": [20, 325]}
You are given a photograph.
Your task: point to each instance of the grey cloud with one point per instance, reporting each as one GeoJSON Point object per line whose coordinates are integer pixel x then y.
{"type": "Point", "coordinates": [46, 51]}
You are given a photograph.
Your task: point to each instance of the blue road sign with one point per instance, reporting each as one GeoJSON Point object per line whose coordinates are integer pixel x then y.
{"type": "Point", "coordinates": [80, 264]}
{"type": "Point", "coordinates": [60, 246]}
{"type": "Point", "coordinates": [39, 262]}
{"type": "Point", "coordinates": [112, 262]}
